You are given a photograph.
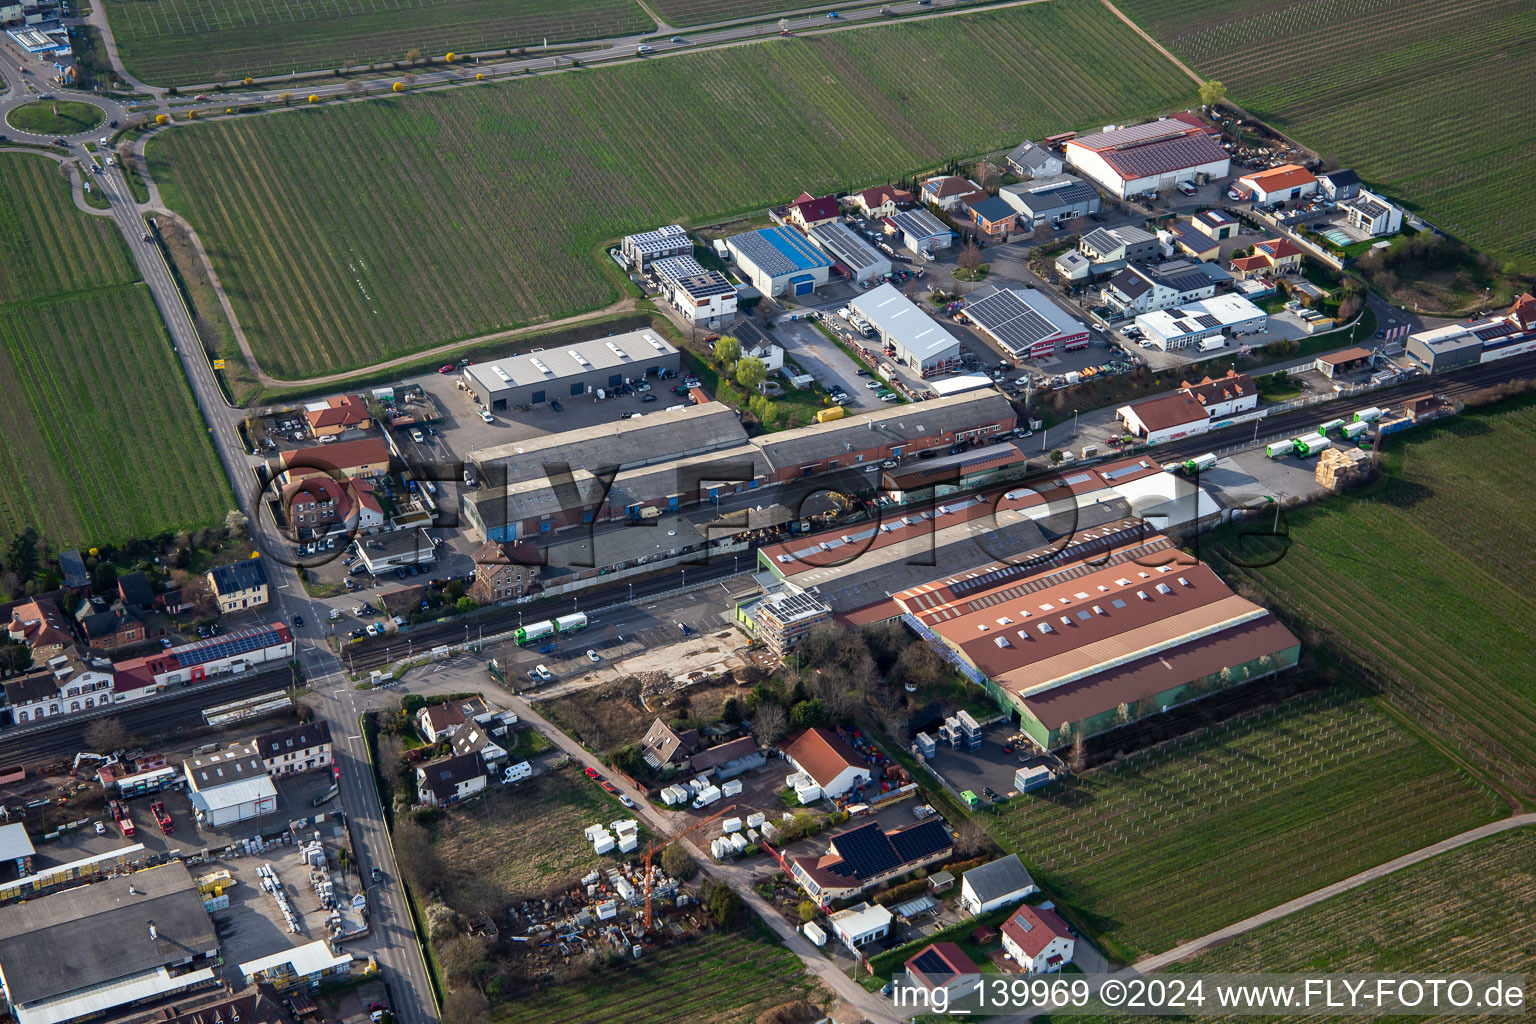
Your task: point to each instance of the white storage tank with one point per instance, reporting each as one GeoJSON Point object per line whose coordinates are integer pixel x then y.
{"type": "Point", "coordinates": [730, 825]}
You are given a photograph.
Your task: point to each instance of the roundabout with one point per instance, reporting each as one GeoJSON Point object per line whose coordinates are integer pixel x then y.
{"type": "Point", "coordinates": [53, 118]}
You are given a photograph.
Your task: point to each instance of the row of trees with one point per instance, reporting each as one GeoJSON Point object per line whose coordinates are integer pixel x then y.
{"type": "Point", "coordinates": [748, 371]}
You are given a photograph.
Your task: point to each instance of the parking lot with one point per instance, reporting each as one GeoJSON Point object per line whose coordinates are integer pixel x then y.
{"type": "Point", "coordinates": [809, 349]}
{"type": "Point", "coordinates": [988, 767]}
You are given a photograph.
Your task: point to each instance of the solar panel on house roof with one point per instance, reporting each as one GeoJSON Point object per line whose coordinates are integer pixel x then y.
{"type": "Point", "coordinates": [706, 285]}
{"type": "Point", "coordinates": [929, 962]}
{"type": "Point", "coordinates": [227, 646]}
{"type": "Point", "coordinates": [866, 850]}
{"type": "Point", "coordinates": [1011, 320]}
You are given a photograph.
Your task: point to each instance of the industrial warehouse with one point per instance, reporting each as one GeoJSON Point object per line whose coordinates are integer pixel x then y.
{"type": "Point", "coordinates": [912, 336]}
{"type": "Point", "coordinates": [779, 261]}
{"type": "Point", "coordinates": [1027, 323]}
{"type": "Point", "coordinates": [1147, 157]}
{"type": "Point", "coordinates": [583, 368]}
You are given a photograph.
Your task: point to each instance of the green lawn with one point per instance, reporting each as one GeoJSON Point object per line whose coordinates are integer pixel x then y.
{"type": "Point", "coordinates": [179, 42]}
{"type": "Point", "coordinates": [1433, 67]}
{"type": "Point", "coordinates": [714, 979]}
{"type": "Point", "coordinates": [444, 215]}
{"type": "Point", "coordinates": [100, 440]}
{"type": "Point", "coordinates": [55, 117]}
{"type": "Point", "coordinates": [1467, 910]}
{"type": "Point", "coordinates": [1425, 580]}
{"type": "Point", "coordinates": [1175, 842]}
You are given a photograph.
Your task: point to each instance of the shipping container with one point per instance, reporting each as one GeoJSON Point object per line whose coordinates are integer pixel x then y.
{"type": "Point", "coordinates": [1355, 429]}
{"type": "Point", "coordinates": [1370, 415]}
{"type": "Point", "coordinates": [1279, 449]}
{"type": "Point", "coordinates": [1310, 445]}
{"type": "Point", "coordinates": [571, 623]}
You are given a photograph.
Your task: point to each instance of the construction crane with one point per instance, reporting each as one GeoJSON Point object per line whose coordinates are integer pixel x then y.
{"type": "Point", "coordinates": [654, 848]}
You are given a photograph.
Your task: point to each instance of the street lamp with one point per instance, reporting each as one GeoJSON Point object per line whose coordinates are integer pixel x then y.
{"type": "Point", "coordinates": [631, 593]}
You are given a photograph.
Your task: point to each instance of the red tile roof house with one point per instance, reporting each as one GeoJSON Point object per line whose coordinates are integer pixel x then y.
{"type": "Point", "coordinates": [439, 720]}
{"type": "Point", "coordinates": [334, 415]}
{"type": "Point", "coordinates": [1038, 940]}
{"type": "Point", "coordinates": [806, 212]}
{"type": "Point", "coordinates": [317, 503]}
{"type": "Point", "coordinates": [828, 759]}
{"type": "Point", "coordinates": [41, 626]}
{"type": "Point", "coordinates": [943, 966]}
{"type": "Point", "coordinates": [883, 200]}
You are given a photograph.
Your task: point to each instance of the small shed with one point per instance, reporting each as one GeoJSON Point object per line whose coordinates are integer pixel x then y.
{"type": "Point", "coordinates": [941, 881]}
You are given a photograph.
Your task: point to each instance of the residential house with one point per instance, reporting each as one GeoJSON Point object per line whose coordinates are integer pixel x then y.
{"type": "Point", "coordinates": [943, 966]}
{"type": "Point", "coordinates": [866, 855]}
{"type": "Point", "coordinates": [1032, 160]}
{"type": "Point", "coordinates": [994, 217]}
{"type": "Point", "coordinates": [504, 571]}
{"type": "Point", "coordinates": [335, 415]}
{"type": "Point", "coordinates": [807, 211]}
{"type": "Point", "coordinates": [1038, 940]}
{"type": "Point", "coordinates": [1339, 185]}
{"type": "Point", "coordinates": [1141, 289]}
{"type": "Point", "coordinates": [664, 745]}
{"type": "Point", "coordinates": [135, 590]}
{"type": "Point", "coordinates": [363, 459]}
{"type": "Point", "coordinates": [473, 738]}
{"type": "Point", "coordinates": [72, 566]}
{"type": "Point", "coordinates": [1189, 239]}
{"type": "Point", "coordinates": [316, 505]}
{"type": "Point", "coordinates": [995, 884]}
{"type": "Point", "coordinates": [883, 201]}
{"type": "Point", "coordinates": [1280, 184]}
{"type": "Point", "coordinates": [1119, 245]}
{"type": "Point", "coordinates": [119, 625]}
{"type": "Point", "coordinates": [447, 780]}
{"type": "Point", "coordinates": [61, 686]}
{"type": "Point", "coordinates": [239, 586]}
{"type": "Point", "coordinates": [947, 191]}
{"type": "Point", "coordinates": [439, 721]}
{"type": "Point", "coordinates": [403, 601]}
{"type": "Point", "coordinates": [229, 786]}
{"type": "Point", "coordinates": [1371, 214]}
{"type": "Point", "coordinates": [40, 626]}
{"type": "Point", "coordinates": [1280, 255]}
{"type": "Point", "coordinates": [828, 759]}
{"type": "Point", "coordinates": [296, 748]}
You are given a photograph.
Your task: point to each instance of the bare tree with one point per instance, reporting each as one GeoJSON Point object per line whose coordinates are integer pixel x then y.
{"type": "Point", "coordinates": [417, 857]}
{"type": "Point", "coordinates": [355, 87]}
{"type": "Point", "coordinates": [1077, 758]}
{"type": "Point", "coordinates": [969, 258]}
{"type": "Point", "coordinates": [106, 735]}
{"type": "Point", "coordinates": [769, 723]}
{"type": "Point", "coordinates": [988, 176]}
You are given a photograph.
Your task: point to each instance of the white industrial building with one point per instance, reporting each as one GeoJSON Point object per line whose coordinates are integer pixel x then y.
{"type": "Point", "coordinates": [862, 261]}
{"type": "Point", "coordinates": [229, 786]}
{"type": "Point", "coordinates": [996, 884]}
{"type": "Point", "coordinates": [1058, 198]}
{"type": "Point", "coordinates": [861, 924]}
{"type": "Point", "coordinates": [780, 260]}
{"type": "Point", "coordinates": [705, 297]}
{"type": "Point", "coordinates": [534, 378]}
{"type": "Point", "coordinates": [920, 230]}
{"type": "Point", "coordinates": [641, 249]}
{"type": "Point", "coordinates": [918, 339]}
{"type": "Point", "coordinates": [1200, 323]}
{"type": "Point", "coordinates": [1148, 157]}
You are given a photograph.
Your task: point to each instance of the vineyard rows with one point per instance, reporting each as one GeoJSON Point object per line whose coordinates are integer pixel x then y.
{"type": "Point", "coordinates": [446, 215]}
{"type": "Point", "coordinates": [1400, 112]}
{"type": "Point", "coordinates": [100, 440]}
{"type": "Point", "coordinates": [716, 978]}
{"type": "Point", "coordinates": [177, 42]}
{"type": "Point", "coordinates": [1191, 836]}
{"type": "Point", "coordinates": [1425, 581]}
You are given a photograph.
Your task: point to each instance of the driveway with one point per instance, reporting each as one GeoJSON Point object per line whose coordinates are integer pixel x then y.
{"type": "Point", "coordinates": [812, 352]}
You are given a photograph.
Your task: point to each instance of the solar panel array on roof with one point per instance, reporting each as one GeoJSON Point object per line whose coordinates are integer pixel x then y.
{"type": "Point", "coordinates": [671, 268]}
{"type": "Point", "coordinates": [846, 247]}
{"type": "Point", "coordinates": [1157, 158]}
{"type": "Point", "coordinates": [866, 850]}
{"type": "Point", "coordinates": [930, 963]}
{"type": "Point", "coordinates": [1134, 135]}
{"type": "Point", "coordinates": [1206, 320]}
{"type": "Point", "coordinates": [227, 646]}
{"type": "Point", "coordinates": [1012, 321]}
{"type": "Point", "coordinates": [778, 251]}
{"type": "Point", "coordinates": [919, 224]}
{"type": "Point", "coordinates": [705, 285]}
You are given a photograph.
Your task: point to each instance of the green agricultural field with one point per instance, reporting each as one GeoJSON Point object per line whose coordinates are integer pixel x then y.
{"type": "Point", "coordinates": [60, 117]}
{"type": "Point", "coordinates": [714, 979]}
{"type": "Point", "coordinates": [1176, 842]}
{"type": "Point", "coordinates": [179, 42]}
{"type": "Point", "coordinates": [707, 12]}
{"type": "Point", "coordinates": [446, 215]}
{"type": "Point", "coordinates": [1467, 910]}
{"type": "Point", "coordinates": [1425, 581]}
{"type": "Point", "coordinates": [100, 440]}
{"type": "Point", "coordinates": [1435, 110]}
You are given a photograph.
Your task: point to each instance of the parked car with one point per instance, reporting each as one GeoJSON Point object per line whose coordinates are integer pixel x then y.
{"type": "Point", "coordinates": [889, 464]}
{"type": "Point", "coordinates": [593, 656]}
{"type": "Point", "coordinates": [555, 405]}
{"type": "Point", "coordinates": [446, 368]}
{"type": "Point", "coordinates": [626, 801]}
{"type": "Point", "coordinates": [592, 773]}
{"type": "Point", "coordinates": [647, 398]}
{"type": "Point", "coordinates": [487, 416]}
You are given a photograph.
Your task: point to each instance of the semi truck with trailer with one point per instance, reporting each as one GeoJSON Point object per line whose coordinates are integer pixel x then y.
{"type": "Point", "coordinates": [1355, 429]}
{"type": "Point", "coordinates": [1329, 427]}
{"type": "Point", "coordinates": [536, 631]}
{"type": "Point", "coordinates": [571, 623]}
{"type": "Point", "coordinates": [1370, 415]}
{"type": "Point", "coordinates": [1279, 449]}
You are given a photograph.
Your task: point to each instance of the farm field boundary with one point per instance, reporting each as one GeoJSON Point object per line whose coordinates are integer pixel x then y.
{"type": "Point", "coordinates": [86, 463]}
{"type": "Point", "coordinates": [1433, 68]}
{"type": "Point", "coordinates": [1216, 826]}
{"type": "Point", "coordinates": [482, 208]}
